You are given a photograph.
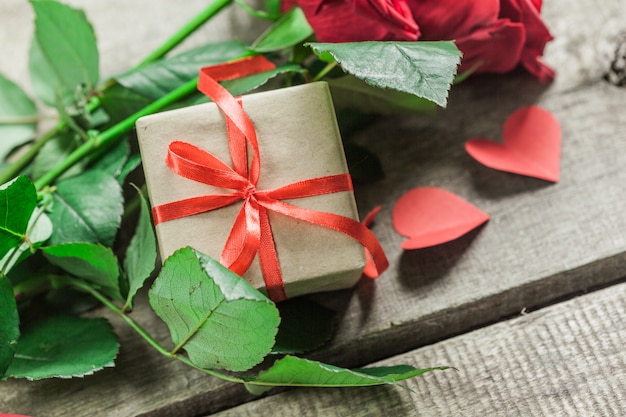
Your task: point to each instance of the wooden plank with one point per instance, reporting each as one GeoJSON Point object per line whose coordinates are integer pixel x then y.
{"type": "Point", "coordinates": [565, 360]}
{"type": "Point", "coordinates": [544, 241]}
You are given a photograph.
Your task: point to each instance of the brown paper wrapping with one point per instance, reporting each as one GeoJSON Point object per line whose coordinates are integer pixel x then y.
{"type": "Point", "coordinates": [298, 139]}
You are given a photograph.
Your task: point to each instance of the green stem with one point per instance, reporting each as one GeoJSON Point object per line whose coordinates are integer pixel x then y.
{"type": "Point", "coordinates": [115, 132]}
{"type": "Point", "coordinates": [186, 30]}
{"type": "Point", "coordinates": [80, 285]}
{"type": "Point", "coordinates": [209, 371]}
{"type": "Point", "coordinates": [324, 71]}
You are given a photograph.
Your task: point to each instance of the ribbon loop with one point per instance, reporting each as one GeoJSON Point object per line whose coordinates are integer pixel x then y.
{"type": "Point", "coordinates": [251, 232]}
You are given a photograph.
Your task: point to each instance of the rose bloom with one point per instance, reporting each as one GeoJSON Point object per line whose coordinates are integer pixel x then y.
{"type": "Point", "coordinates": [494, 35]}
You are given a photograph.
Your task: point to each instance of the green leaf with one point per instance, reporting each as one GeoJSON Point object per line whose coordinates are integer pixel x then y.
{"type": "Point", "coordinates": [141, 254]}
{"type": "Point", "coordinates": [159, 78]}
{"type": "Point", "coordinates": [15, 108]}
{"type": "Point", "coordinates": [119, 102]}
{"type": "Point", "coordinates": [243, 85]}
{"type": "Point", "coordinates": [273, 7]}
{"type": "Point", "coordinates": [291, 29]}
{"type": "Point", "coordinates": [351, 92]}
{"type": "Point", "coordinates": [66, 41]}
{"type": "Point", "coordinates": [55, 150]}
{"type": "Point", "coordinates": [18, 200]}
{"type": "Point", "coordinates": [219, 319]}
{"type": "Point", "coordinates": [424, 69]}
{"type": "Point", "coordinates": [94, 263]}
{"type": "Point", "coordinates": [9, 325]}
{"type": "Point", "coordinates": [87, 208]}
{"type": "Point", "coordinates": [116, 161]}
{"type": "Point", "coordinates": [66, 300]}
{"type": "Point", "coordinates": [133, 162]}
{"type": "Point", "coordinates": [38, 231]}
{"type": "Point", "coordinates": [112, 161]}
{"type": "Point", "coordinates": [304, 325]}
{"type": "Point", "coordinates": [292, 371]}
{"type": "Point", "coordinates": [64, 346]}
{"type": "Point", "coordinates": [45, 84]}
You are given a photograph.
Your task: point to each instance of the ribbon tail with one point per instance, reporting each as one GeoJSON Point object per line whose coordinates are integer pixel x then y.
{"type": "Point", "coordinates": [269, 260]}
{"type": "Point", "coordinates": [243, 241]}
{"type": "Point", "coordinates": [336, 222]}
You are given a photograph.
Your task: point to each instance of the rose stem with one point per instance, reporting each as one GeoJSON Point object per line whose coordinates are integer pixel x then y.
{"type": "Point", "coordinates": [110, 135]}
{"type": "Point", "coordinates": [144, 334]}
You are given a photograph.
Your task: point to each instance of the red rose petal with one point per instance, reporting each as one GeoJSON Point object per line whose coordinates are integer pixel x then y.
{"type": "Point", "coordinates": [430, 216]}
{"type": "Point", "coordinates": [531, 146]}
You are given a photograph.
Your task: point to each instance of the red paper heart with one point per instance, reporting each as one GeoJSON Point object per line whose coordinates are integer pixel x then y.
{"type": "Point", "coordinates": [531, 146]}
{"type": "Point", "coordinates": [430, 216]}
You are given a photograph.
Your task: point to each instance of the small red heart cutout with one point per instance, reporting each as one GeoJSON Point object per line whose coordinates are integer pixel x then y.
{"type": "Point", "coordinates": [430, 216]}
{"type": "Point", "coordinates": [531, 146]}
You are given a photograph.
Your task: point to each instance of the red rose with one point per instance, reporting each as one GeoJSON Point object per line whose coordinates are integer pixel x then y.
{"type": "Point", "coordinates": [494, 35]}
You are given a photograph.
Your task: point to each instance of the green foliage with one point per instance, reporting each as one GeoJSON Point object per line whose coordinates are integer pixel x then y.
{"type": "Point", "coordinates": [116, 161]}
{"type": "Point", "coordinates": [273, 7]}
{"type": "Point", "coordinates": [112, 161]}
{"type": "Point", "coordinates": [18, 200]}
{"type": "Point", "coordinates": [9, 325]}
{"type": "Point", "coordinates": [132, 162]}
{"type": "Point", "coordinates": [120, 102]}
{"type": "Point", "coordinates": [243, 85]}
{"type": "Point", "coordinates": [159, 78]}
{"type": "Point", "coordinates": [424, 69]}
{"type": "Point", "coordinates": [45, 84]}
{"type": "Point", "coordinates": [292, 371]}
{"type": "Point", "coordinates": [15, 108]}
{"type": "Point", "coordinates": [87, 208]}
{"type": "Point", "coordinates": [305, 325]}
{"type": "Point", "coordinates": [93, 263]}
{"type": "Point", "coordinates": [213, 314]}
{"type": "Point", "coordinates": [38, 231]}
{"type": "Point", "coordinates": [355, 94]}
{"type": "Point", "coordinates": [63, 346]}
{"type": "Point", "coordinates": [55, 150]}
{"type": "Point", "coordinates": [64, 53]}
{"type": "Point", "coordinates": [291, 29]}
{"type": "Point", "coordinates": [140, 257]}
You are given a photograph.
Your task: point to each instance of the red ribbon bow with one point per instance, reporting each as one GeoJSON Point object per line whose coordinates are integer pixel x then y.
{"type": "Point", "coordinates": [251, 232]}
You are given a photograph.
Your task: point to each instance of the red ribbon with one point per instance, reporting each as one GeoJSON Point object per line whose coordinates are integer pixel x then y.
{"type": "Point", "coordinates": [251, 232]}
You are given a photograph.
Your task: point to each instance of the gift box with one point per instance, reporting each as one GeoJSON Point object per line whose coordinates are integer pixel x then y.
{"type": "Point", "coordinates": [298, 139]}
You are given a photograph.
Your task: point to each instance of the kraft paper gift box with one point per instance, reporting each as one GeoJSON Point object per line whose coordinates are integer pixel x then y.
{"type": "Point", "coordinates": [298, 140]}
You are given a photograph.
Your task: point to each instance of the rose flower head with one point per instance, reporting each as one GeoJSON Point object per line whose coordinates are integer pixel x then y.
{"type": "Point", "coordinates": [494, 35]}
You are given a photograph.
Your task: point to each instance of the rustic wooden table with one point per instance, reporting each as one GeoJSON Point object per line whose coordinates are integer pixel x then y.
{"type": "Point", "coordinates": [530, 309]}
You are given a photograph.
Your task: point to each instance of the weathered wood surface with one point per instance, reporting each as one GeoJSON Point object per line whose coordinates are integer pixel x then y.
{"type": "Point", "coordinates": [564, 360]}
{"type": "Point", "coordinates": [544, 241]}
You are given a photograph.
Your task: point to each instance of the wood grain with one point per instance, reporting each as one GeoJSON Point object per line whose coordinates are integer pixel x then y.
{"type": "Point", "coordinates": [565, 360]}
{"type": "Point", "coordinates": [544, 242]}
